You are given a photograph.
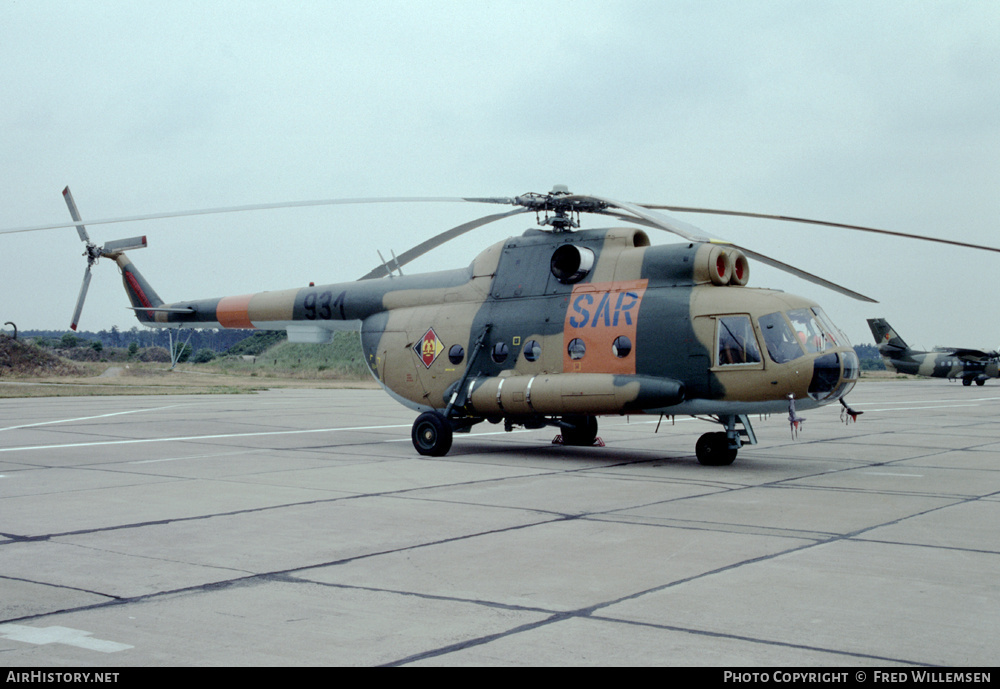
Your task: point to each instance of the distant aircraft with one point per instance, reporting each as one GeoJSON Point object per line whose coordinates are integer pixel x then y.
{"type": "Point", "coordinates": [944, 362]}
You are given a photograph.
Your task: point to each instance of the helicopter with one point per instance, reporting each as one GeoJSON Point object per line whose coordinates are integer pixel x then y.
{"type": "Point", "coordinates": [970, 365]}
{"type": "Point", "coordinates": [555, 327]}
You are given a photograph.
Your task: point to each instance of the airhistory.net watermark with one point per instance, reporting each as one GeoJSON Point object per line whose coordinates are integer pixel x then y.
{"type": "Point", "coordinates": [43, 676]}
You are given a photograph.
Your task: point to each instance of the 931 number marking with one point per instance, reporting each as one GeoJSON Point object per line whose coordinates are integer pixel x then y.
{"type": "Point", "coordinates": [322, 305]}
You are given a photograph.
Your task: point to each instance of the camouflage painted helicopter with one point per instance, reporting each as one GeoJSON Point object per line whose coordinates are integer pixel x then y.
{"type": "Point", "coordinates": [554, 327]}
{"type": "Point", "coordinates": [969, 365]}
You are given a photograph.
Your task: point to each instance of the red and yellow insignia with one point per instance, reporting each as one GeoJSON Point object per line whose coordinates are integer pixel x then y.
{"type": "Point", "coordinates": [428, 348]}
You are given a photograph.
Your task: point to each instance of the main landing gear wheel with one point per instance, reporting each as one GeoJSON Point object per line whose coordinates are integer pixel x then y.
{"type": "Point", "coordinates": [583, 432]}
{"type": "Point", "coordinates": [712, 449]}
{"type": "Point", "coordinates": [432, 434]}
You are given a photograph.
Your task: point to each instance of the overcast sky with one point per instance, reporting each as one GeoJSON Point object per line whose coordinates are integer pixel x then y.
{"type": "Point", "coordinates": [884, 114]}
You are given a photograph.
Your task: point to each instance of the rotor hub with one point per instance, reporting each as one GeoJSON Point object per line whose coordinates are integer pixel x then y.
{"type": "Point", "coordinates": [93, 252]}
{"type": "Point", "coordinates": [562, 203]}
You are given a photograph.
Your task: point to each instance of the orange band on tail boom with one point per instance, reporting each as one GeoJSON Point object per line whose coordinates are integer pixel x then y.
{"type": "Point", "coordinates": [232, 312]}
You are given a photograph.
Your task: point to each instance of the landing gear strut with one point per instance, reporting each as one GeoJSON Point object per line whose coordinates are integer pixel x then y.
{"type": "Point", "coordinates": [719, 449]}
{"type": "Point", "coordinates": [432, 434]}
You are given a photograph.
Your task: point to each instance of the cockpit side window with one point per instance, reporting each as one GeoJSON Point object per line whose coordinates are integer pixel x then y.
{"type": "Point", "coordinates": [782, 345]}
{"type": "Point", "coordinates": [736, 341]}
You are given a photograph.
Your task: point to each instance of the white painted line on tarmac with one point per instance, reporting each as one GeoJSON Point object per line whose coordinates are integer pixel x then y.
{"type": "Point", "coordinates": [932, 401]}
{"type": "Point", "coordinates": [88, 418]}
{"type": "Point", "coordinates": [220, 436]}
{"type": "Point", "coordinates": [938, 406]}
{"type": "Point", "coordinates": [42, 636]}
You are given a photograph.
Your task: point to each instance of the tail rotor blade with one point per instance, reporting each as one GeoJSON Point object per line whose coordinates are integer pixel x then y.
{"type": "Point", "coordinates": [118, 245]}
{"type": "Point", "coordinates": [75, 214]}
{"type": "Point", "coordinates": [79, 300]}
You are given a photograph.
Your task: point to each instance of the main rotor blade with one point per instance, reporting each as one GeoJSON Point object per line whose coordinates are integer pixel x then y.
{"type": "Point", "coordinates": [766, 260]}
{"type": "Point", "coordinates": [688, 232]}
{"type": "Point", "coordinates": [79, 299]}
{"type": "Point", "coordinates": [436, 241]}
{"type": "Point", "coordinates": [75, 214]}
{"type": "Point", "coordinates": [809, 221]}
{"type": "Point", "coordinates": [815, 279]}
{"type": "Point", "coordinates": [258, 207]}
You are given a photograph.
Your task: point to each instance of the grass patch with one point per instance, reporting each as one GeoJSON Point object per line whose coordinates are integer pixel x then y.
{"type": "Point", "coordinates": [30, 371]}
{"type": "Point", "coordinates": [340, 359]}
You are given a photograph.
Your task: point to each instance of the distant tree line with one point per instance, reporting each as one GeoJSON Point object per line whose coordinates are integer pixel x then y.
{"type": "Point", "coordinates": [214, 340]}
{"type": "Point", "coordinates": [870, 359]}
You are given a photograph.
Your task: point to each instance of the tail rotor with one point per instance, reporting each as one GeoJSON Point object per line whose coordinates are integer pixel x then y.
{"type": "Point", "coordinates": [93, 252]}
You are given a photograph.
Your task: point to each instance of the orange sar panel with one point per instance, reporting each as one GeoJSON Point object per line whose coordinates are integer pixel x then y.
{"type": "Point", "coordinates": [598, 314]}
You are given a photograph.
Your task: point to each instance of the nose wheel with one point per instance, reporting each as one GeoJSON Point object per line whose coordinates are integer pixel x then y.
{"type": "Point", "coordinates": [432, 434]}
{"type": "Point", "coordinates": [712, 449]}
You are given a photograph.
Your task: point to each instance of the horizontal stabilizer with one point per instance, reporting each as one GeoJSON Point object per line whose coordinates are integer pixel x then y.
{"type": "Point", "coordinates": [162, 309]}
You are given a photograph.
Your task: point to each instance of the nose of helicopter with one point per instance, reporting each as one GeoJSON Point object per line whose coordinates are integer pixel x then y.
{"type": "Point", "coordinates": [834, 375]}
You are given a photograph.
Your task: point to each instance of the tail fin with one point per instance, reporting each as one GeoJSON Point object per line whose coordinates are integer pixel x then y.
{"type": "Point", "coordinates": [139, 291]}
{"type": "Point", "coordinates": [885, 335]}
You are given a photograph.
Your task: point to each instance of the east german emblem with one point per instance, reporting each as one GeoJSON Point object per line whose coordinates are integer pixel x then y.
{"type": "Point", "coordinates": [428, 347]}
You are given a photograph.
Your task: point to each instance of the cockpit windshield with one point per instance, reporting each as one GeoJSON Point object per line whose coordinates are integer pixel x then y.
{"type": "Point", "coordinates": [830, 330]}
{"type": "Point", "coordinates": [779, 338]}
{"type": "Point", "coordinates": [806, 331]}
{"type": "Point", "coordinates": [810, 334]}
